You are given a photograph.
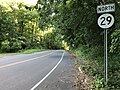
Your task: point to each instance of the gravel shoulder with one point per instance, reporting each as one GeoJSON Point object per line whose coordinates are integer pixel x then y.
{"type": "Point", "coordinates": [83, 81]}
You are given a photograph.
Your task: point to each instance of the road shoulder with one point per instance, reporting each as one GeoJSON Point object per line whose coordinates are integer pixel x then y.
{"type": "Point", "coordinates": [63, 78]}
{"type": "Point", "coordinates": [83, 80]}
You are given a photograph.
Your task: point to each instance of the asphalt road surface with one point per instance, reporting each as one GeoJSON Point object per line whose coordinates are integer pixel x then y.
{"type": "Point", "coordinates": [47, 70]}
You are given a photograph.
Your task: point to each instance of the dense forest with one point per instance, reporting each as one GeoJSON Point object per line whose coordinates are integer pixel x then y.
{"type": "Point", "coordinates": [64, 24]}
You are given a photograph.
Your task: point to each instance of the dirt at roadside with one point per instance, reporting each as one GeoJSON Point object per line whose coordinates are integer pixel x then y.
{"type": "Point", "coordinates": [83, 81]}
{"type": "Point", "coordinates": [3, 55]}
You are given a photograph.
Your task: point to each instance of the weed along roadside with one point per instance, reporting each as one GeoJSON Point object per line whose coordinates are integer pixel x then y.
{"type": "Point", "coordinates": [84, 81]}
{"type": "Point", "coordinates": [90, 69]}
{"type": "Point", "coordinates": [27, 51]}
{"type": "Point", "coordinates": [88, 28]}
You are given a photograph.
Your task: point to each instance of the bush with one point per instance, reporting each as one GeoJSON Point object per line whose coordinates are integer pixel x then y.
{"type": "Point", "coordinates": [11, 46]}
{"type": "Point", "coordinates": [5, 46]}
{"type": "Point", "coordinates": [95, 67]}
{"type": "Point", "coordinates": [114, 71]}
{"type": "Point", "coordinates": [15, 45]}
{"type": "Point", "coordinates": [115, 43]}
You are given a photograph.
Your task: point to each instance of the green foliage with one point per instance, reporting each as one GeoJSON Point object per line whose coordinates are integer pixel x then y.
{"type": "Point", "coordinates": [95, 66]}
{"type": "Point", "coordinates": [15, 45]}
{"type": "Point", "coordinates": [11, 46]}
{"type": "Point", "coordinates": [115, 43]}
{"type": "Point", "coordinates": [75, 21]}
{"type": "Point", "coordinates": [56, 24]}
{"type": "Point", "coordinates": [28, 51]}
{"type": "Point", "coordinates": [53, 40]}
{"type": "Point", "coordinates": [24, 26]}
{"type": "Point", "coordinates": [18, 27]}
{"type": "Point", "coordinates": [99, 83]}
{"type": "Point", "coordinates": [114, 71]}
{"type": "Point", "coordinates": [5, 46]}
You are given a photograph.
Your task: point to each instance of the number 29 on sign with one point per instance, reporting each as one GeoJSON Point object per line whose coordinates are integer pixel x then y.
{"type": "Point", "coordinates": [106, 20]}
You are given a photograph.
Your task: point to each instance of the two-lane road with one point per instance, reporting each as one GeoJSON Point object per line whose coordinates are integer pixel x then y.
{"type": "Point", "coordinates": [38, 71]}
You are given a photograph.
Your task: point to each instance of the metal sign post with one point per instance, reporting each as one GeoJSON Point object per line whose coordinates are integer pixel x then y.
{"type": "Point", "coordinates": [105, 59]}
{"type": "Point", "coordinates": [106, 20]}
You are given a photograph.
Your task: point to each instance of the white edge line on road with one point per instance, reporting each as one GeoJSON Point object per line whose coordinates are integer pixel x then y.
{"type": "Point", "coordinates": [48, 73]}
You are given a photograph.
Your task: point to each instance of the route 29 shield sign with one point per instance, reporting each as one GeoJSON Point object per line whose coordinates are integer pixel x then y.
{"type": "Point", "coordinates": [106, 14]}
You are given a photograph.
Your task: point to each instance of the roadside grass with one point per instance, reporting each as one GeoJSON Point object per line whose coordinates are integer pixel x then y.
{"type": "Point", "coordinates": [92, 67]}
{"type": "Point", "coordinates": [7, 54]}
{"type": "Point", "coordinates": [26, 51]}
{"type": "Point", "coordinates": [95, 66]}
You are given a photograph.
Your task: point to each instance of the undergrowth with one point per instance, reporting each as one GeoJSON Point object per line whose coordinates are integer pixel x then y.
{"type": "Point", "coordinates": [94, 57]}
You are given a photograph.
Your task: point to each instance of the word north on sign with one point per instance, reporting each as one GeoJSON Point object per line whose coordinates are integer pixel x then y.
{"type": "Point", "coordinates": [106, 8]}
{"type": "Point", "coordinates": [106, 16]}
